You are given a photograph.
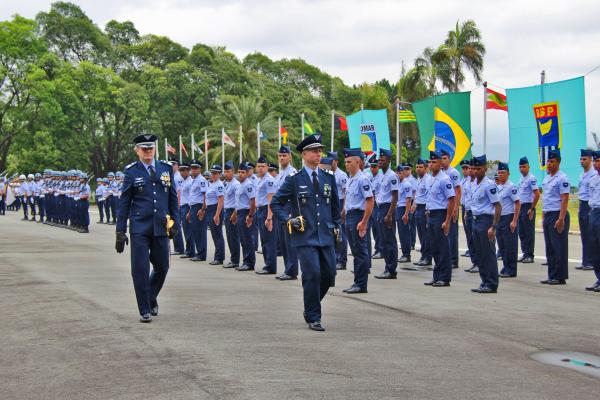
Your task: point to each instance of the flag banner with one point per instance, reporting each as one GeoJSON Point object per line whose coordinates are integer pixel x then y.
{"type": "Point", "coordinates": [406, 116]}
{"type": "Point", "coordinates": [171, 149]}
{"type": "Point", "coordinates": [308, 129]}
{"type": "Point", "coordinates": [444, 122]}
{"type": "Point", "coordinates": [262, 135]}
{"type": "Point", "coordinates": [227, 140]}
{"type": "Point", "coordinates": [197, 148]}
{"type": "Point", "coordinates": [495, 100]}
{"type": "Point", "coordinates": [538, 118]}
{"type": "Point", "coordinates": [284, 135]}
{"type": "Point", "coordinates": [339, 123]}
{"type": "Point", "coordinates": [183, 149]}
{"type": "Point", "coordinates": [369, 130]}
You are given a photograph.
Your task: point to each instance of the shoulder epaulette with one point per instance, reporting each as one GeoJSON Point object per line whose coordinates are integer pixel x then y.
{"type": "Point", "coordinates": [130, 165]}
{"type": "Point", "coordinates": [293, 173]}
{"type": "Point", "coordinates": [327, 171]}
{"type": "Point", "coordinates": [164, 163]}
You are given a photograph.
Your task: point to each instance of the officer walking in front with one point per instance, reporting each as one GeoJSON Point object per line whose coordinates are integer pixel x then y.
{"type": "Point", "coordinates": [584, 209]}
{"type": "Point", "coordinates": [508, 227]}
{"type": "Point", "coordinates": [419, 210]}
{"type": "Point", "coordinates": [556, 221]}
{"type": "Point", "coordinates": [529, 195]}
{"type": "Point", "coordinates": [386, 199]}
{"type": "Point", "coordinates": [148, 199]}
{"type": "Point", "coordinates": [441, 202]}
{"type": "Point", "coordinates": [315, 223]}
{"type": "Point", "coordinates": [243, 216]}
{"type": "Point", "coordinates": [215, 199]}
{"type": "Point", "coordinates": [268, 235]}
{"type": "Point", "coordinates": [594, 223]}
{"type": "Point", "coordinates": [233, 239]}
{"type": "Point", "coordinates": [358, 206]}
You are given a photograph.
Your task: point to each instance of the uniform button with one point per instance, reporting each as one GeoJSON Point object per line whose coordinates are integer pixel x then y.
{"type": "Point", "coordinates": [155, 210]}
{"type": "Point", "coordinates": [154, 192]}
{"type": "Point", "coordinates": [317, 204]}
{"type": "Point", "coordinates": [318, 214]}
{"type": "Point", "coordinates": [155, 201]}
{"type": "Point", "coordinates": [318, 223]}
{"type": "Point", "coordinates": [154, 184]}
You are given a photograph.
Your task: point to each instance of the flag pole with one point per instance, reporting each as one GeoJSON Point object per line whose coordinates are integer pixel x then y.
{"type": "Point", "coordinates": [278, 133]}
{"type": "Point", "coordinates": [206, 147]}
{"type": "Point", "coordinates": [156, 146]}
{"type": "Point", "coordinates": [223, 148]}
{"type": "Point", "coordinates": [332, 127]}
{"type": "Point", "coordinates": [258, 140]}
{"type": "Point", "coordinates": [398, 135]}
{"type": "Point", "coordinates": [180, 151]}
{"type": "Point", "coordinates": [302, 124]}
{"type": "Point", "coordinates": [166, 152]}
{"type": "Point", "coordinates": [484, 117]}
{"type": "Point", "coordinates": [193, 146]}
{"type": "Point", "coordinates": [240, 144]}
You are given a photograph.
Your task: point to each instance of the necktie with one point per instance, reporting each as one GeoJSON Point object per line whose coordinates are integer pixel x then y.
{"type": "Point", "coordinates": [315, 182]}
{"type": "Point", "coordinates": [151, 172]}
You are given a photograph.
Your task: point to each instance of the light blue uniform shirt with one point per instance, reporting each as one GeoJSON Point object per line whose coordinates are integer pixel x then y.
{"type": "Point", "coordinates": [389, 184]}
{"type": "Point", "coordinates": [266, 186]}
{"type": "Point", "coordinates": [413, 183]}
{"type": "Point", "coordinates": [254, 179]}
{"type": "Point", "coordinates": [243, 194]}
{"type": "Point", "coordinates": [214, 191]}
{"type": "Point", "coordinates": [594, 186]}
{"type": "Point", "coordinates": [230, 190]}
{"type": "Point", "coordinates": [584, 184]}
{"type": "Point", "coordinates": [405, 191]}
{"type": "Point", "coordinates": [527, 185]}
{"type": "Point", "coordinates": [454, 176]}
{"type": "Point", "coordinates": [198, 188]}
{"type": "Point", "coordinates": [440, 190]}
{"type": "Point", "coordinates": [422, 189]}
{"type": "Point", "coordinates": [358, 189]}
{"type": "Point", "coordinates": [376, 182]}
{"type": "Point", "coordinates": [508, 195]}
{"type": "Point", "coordinates": [84, 190]}
{"type": "Point", "coordinates": [185, 191]}
{"type": "Point", "coordinates": [341, 179]}
{"type": "Point", "coordinates": [484, 196]}
{"type": "Point", "coordinates": [178, 181]}
{"type": "Point", "coordinates": [284, 173]}
{"type": "Point", "coordinates": [464, 184]}
{"type": "Point", "coordinates": [553, 187]}
{"type": "Point", "coordinates": [100, 193]}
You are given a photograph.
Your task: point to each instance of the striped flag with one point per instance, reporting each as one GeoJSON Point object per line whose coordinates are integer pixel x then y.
{"type": "Point", "coordinates": [308, 129]}
{"type": "Point", "coordinates": [183, 149]}
{"type": "Point", "coordinates": [227, 140]}
{"type": "Point", "coordinates": [495, 100]}
{"type": "Point", "coordinates": [197, 148]}
{"type": "Point", "coordinates": [406, 116]}
{"type": "Point", "coordinates": [170, 149]}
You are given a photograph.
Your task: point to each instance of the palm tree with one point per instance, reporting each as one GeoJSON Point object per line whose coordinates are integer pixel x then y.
{"type": "Point", "coordinates": [231, 113]}
{"type": "Point", "coordinates": [463, 48]}
{"type": "Point", "coordinates": [420, 81]}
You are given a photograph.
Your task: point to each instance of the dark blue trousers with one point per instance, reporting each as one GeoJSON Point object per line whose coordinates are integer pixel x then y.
{"type": "Point", "coordinates": [421, 224]}
{"type": "Point", "coordinates": [486, 251]}
{"type": "Point", "coordinates": [388, 236]}
{"type": "Point", "coordinates": [318, 275]}
{"type": "Point", "coordinates": [233, 239]}
{"type": "Point", "coordinates": [468, 222]}
{"type": "Point", "coordinates": [107, 207]}
{"type": "Point", "coordinates": [527, 230]}
{"type": "Point", "coordinates": [376, 230]}
{"type": "Point", "coordinates": [146, 249]}
{"type": "Point", "coordinates": [557, 245]}
{"type": "Point", "coordinates": [247, 238]}
{"type": "Point", "coordinates": [113, 207]}
{"type": "Point", "coordinates": [190, 247]}
{"type": "Point", "coordinates": [84, 213]}
{"type": "Point", "coordinates": [440, 246]}
{"type": "Point", "coordinates": [341, 250]}
{"type": "Point", "coordinates": [178, 246]}
{"type": "Point", "coordinates": [510, 250]}
{"type": "Point", "coordinates": [403, 232]}
{"type": "Point", "coordinates": [453, 242]}
{"type": "Point", "coordinates": [584, 228]}
{"type": "Point", "coordinates": [100, 205]}
{"type": "Point", "coordinates": [40, 203]}
{"type": "Point", "coordinates": [24, 203]}
{"type": "Point", "coordinates": [216, 232]}
{"type": "Point", "coordinates": [290, 255]}
{"type": "Point", "coordinates": [359, 248]}
{"type": "Point", "coordinates": [198, 231]}
{"type": "Point", "coordinates": [412, 225]}
{"type": "Point", "coordinates": [594, 228]}
{"type": "Point", "coordinates": [268, 240]}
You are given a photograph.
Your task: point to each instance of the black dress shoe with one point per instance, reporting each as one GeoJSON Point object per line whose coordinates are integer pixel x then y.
{"type": "Point", "coordinates": [466, 254]}
{"type": "Point", "coordinates": [340, 267]}
{"type": "Point", "coordinates": [377, 256]}
{"type": "Point", "coordinates": [440, 284]}
{"type": "Point", "coordinates": [426, 263]}
{"type": "Point", "coordinates": [215, 262]}
{"type": "Point", "coordinates": [419, 263]}
{"type": "Point", "coordinates": [386, 275]}
{"type": "Point", "coordinates": [196, 259]}
{"type": "Point", "coordinates": [286, 277]}
{"type": "Point", "coordinates": [597, 290]}
{"type": "Point", "coordinates": [486, 290]}
{"type": "Point", "coordinates": [355, 289]}
{"type": "Point", "coordinates": [593, 287]}
{"type": "Point", "coordinates": [245, 268]}
{"type": "Point", "coordinates": [587, 268]}
{"type": "Point", "coordinates": [316, 326]}
{"type": "Point", "coordinates": [545, 263]}
{"type": "Point", "coordinates": [264, 272]}
{"type": "Point", "coordinates": [185, 256]}
{"type": "Point", "coordinates": [404, 259]}
{"type": "Point", "coordinates": [554, 282]}
{"type": "Point", "coordinates": [506, 276]}
{"type": "Point", "coordinates": [454, 266]}
{"type": "Point", "coordinates": [145, 318]}
{"type": "Point", "coordinates": [230, 265]}
{"type": "Point", "coordinates": [305, 318]}
{"type": "Point", "coordinates": [154, 311]}
{"type": "Point", "coordinates": [579, 267]}
{"type": "Point", "coordinates": [474, 269]}
{"type": "Point", "coordinates": [430, 283]}
{"type": "Point", "coordinates": [522, 258]}
{"type": "Point", "coordinates": [176, 253]}
{"type": "Point", "coordinates": [476, 290]}
{"type": "Point", "coordinates": [529, 260]}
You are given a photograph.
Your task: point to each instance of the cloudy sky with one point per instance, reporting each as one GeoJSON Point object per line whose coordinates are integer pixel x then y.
{"type": "Point", "coordinates": [363, 41]}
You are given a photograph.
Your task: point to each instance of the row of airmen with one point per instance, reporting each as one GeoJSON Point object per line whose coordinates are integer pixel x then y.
{"type": "Point", "coordinates": [56, 198]}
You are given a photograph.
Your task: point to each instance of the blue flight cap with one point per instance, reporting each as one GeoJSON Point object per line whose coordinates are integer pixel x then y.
{"type": "Point", "coordinates": [195, 163]}
{"type": "Point", "coordinates": [228, 166]}
{"type": "Point", "coordinates": [554, 154]}
{"type": "Point", "coordinates": [98, 179]}
{"type": "Point", "coordinates": [420, 161]}
{"type": "Point", "coordinates": [326, 160]}
{"type": "Point", "coordinates": [145, 140]}
{"type": "Point", "coordinates": [285, 150]}
{"type": "Point", "coordinates": [273, 167]}
{"type": "Point", "coordinates": [184, 165]}
{"type": "Point", "coordinates": [435, 155]}
{"type": "Point", "coordinates": [310, 142]}
{"type": "Point", "coordinates": [444, 152]}
{"type": "Point", "coordinates": [596, 155]}
{"type": "Point", "coordinates": [353, 152]}
{"type": "Point", "coordinates": [502, 166]}
{"type": "Point", "coordinates": [465, 163]}
{"type": "Point", "coordinates": [480, 161]}
{"type": "Point", "coordinates": [586, 153]}
{"type": "Point", "coordinates": [523, 161]}
{"type": "Point", "coordinates": [111, 174]}
{"type": "Point", "coordinates": [262, 160]}
{"type": "Point", "coordinates": [372, 160]}
{"type": "Point", "coordinates": [244, 166]}
{"type": "Point", "coordinates": [407, 165]}
{"type": "Point", "coordinates": [399, 167]}
{"type": "Point", "coordinates": [216, 168]}
{"type": "Point", "coordinates": [333, 155]}
{"type": "Point", "coordinates": [385, 153]}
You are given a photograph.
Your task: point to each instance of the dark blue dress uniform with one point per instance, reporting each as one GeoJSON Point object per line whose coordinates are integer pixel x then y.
{"type": "Point", "coordinates": [527, 187]}
{"type": "Point", "coordinates": [484, 199]}
{"type": "Point", "coordinates": [584, 213]}
{"type": "Point", "coordinates": [147, 197]}
{"type": "Point", "coordinates": [313, 195]}
{"type": "Point", "coordinates": [509, 196]}
{"type": "Point", "coordinates": [557, 244]}
{"type": "Point", "coordinates": [594, 222]}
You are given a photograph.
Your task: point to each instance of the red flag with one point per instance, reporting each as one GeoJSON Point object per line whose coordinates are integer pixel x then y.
{"type": "Point", "coordinates": [171, 149]}
{"type": "Point", "coordinates": [340, 123]}
{"type": "Point", "coordinates": [284, 135]}
{"type": "Point", "coordinates": [184, 149]}
{"type": "Point", "coordinates": [495, 100]}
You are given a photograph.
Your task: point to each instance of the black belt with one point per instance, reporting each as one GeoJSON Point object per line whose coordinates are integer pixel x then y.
{"type": "Point", "coordinates": [481, 216]}
{"type": "Point", "coordinates": [263, 207]}
{"type": "Point", "coordinates": [435, 212]}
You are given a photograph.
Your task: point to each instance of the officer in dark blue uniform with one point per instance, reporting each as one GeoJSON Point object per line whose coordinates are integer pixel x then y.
{"type": "Point", "coordinates": [315, 223]}
{"type": "Point", "coordinates": [149, 202]}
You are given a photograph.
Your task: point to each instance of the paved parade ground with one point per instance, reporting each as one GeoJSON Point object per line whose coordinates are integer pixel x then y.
{"type": "Point", "coordinates": [69, 330]}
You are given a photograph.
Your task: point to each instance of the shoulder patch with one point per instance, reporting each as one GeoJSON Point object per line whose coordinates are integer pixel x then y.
{"type": "Point", "coordinates": [493, 190]}
{"type": "Point", "coordinates": [455, 177]}
{"type": "Point", "coordinates": [249, 188]}
{"type": "Point", "coordinates": [366, 188]}
{"type": "Point", "coordinates": [565, 184]}
{"type": "Point", "coordinates": [393, 181]}
{"type": "Point", "coordinates": [514, 191]}
{"type": "Point", "coordinates": [449, 186]}
{"type": "Point", "coordinates": [130, 165]}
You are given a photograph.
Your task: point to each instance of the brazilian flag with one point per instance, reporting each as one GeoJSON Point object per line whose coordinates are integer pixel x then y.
{"type": "Point", "coordinates": [444, 122]}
